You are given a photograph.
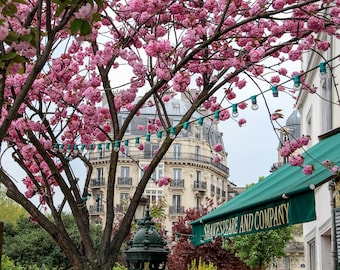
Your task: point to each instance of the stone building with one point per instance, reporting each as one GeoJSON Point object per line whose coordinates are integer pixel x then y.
{"type": "Point", "coordinates": [189, 164]}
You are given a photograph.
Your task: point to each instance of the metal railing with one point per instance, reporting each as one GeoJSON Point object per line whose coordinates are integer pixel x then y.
{"type": "Point", "coordinates": [200, 185]}
{"type": "Point", "coordinates": [97, 182]}
{"type": "Point", "coordinates": [170, 156]}
{"type": "Point", "coordinates": [125, 181]}
{"type": "Point", "coordinates": [96, 209]}
{"type": "Point", "coordinates": [175, 209]}
{"type": "Point", "coordinates": [177, 183]}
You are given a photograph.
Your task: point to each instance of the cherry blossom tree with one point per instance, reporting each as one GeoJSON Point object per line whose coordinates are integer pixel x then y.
{"type": "Point", "coordinates": [59, 59]}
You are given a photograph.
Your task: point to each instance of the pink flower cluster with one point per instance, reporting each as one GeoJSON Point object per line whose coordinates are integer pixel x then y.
{"type": "Point", "coordinates": [218, 147]}
{"type": "Point", "coordinates": [291, 146]}
{"type": "Point", "coordinates": [331, 166]}
{"type": "Point", "coordinates": [163, 181]}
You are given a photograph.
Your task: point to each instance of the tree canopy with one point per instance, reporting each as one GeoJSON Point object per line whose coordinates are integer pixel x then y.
{"type": "Point", "coordinates": [60, 59]}
{"type": "Point", "coordinates": [10, 211]}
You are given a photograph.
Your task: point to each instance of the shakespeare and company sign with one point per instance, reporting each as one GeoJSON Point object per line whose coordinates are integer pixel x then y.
{"type": "Point", "coordinates": [272, 217]}
{"type": "Point", "coordinates": [227, 221]}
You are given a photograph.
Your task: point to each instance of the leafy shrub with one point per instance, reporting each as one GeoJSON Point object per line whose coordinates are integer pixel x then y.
{"type": "Point", "coordinates": [201, 265]}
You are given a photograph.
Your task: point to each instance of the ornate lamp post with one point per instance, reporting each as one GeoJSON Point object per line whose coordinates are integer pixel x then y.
{"type": "Point", "coordinates": [147, 248]}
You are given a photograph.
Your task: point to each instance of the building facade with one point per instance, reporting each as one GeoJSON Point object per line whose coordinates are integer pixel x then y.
{"type": "Point", "coordinates": [188, 162]}
{"type": "Point", "coordinates": [320, 115]}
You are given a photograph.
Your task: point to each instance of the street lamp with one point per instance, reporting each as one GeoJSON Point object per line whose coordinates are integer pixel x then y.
{"type": "Point", "coordinates": [147, 247]}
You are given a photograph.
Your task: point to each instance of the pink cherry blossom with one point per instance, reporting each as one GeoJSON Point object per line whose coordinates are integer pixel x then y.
{"type": "Point", "coordinates": [283, 71]}
{"type": "Point", "coordinates": [242, 105]}
{"type": "Point", "coordinates": [296, 160]}
{"type": "Point", "coordinates": [256, 54]}
{"type": "Point", "coordinates": [241, 122]}
{"type": "Point", "coordinates": [218, 147]}
{"type": "Point", "coordinates": [308, 169]}
{"type": "Point", "coordinates": [141, 147]}
{"type": "Point", "coordinates": [224, 115]}
{"type": "Point", "coordinates": [163, 181]}
{"type": "Point", "coordinates": [3, 32]}
{"type": "Point", "coordinates": [216, 159]}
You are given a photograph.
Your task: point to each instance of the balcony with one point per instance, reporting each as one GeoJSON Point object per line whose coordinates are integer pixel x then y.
{"type": "Point", "coordinates": [97, 209]}
{"type": "Point", "coordinates": [97, 182]}
{"type": "Point", "coordinates": [176, 210]}
{"type": "Point", "coordinates": [191, 157]}
{"type": "Point", "coordinates": [124, 181]}
{"type": "Point", "coordinates": [177, 184]}
{"type": "Point", "coordinates": [200, 186]}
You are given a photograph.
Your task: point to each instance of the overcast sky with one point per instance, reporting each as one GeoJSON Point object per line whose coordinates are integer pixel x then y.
{"type": "Point", "coordinates": [252, 148]}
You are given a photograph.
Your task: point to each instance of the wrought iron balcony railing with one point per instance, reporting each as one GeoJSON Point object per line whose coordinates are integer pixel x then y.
{"type": "Point", "coordinates": [96, 209]}
{"type": "Point", "coordinates": [97, 182]}
{"type": "Point", "coordinates": [200, 185]}
{"type": "Point", "coordinates": [125, 181]}
{"type": "Point", "coordinates": [175, 209]}
{"type": "Point", "coordinates": [170, 156]}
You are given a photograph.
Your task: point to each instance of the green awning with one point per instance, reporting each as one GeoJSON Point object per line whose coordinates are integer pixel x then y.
{"type": "Point", "coordinates": [285, 197]}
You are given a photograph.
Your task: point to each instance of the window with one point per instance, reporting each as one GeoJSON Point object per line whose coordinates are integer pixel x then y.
{"type": "Point", "coordinates": [123, 202]}
{"type": "Point", "coordinates": [176, 108]}
{"type": "Point", "coordinates": [197, 132]}
{"type": "Point", "coordinates": [154, 195]}
{"type": "Point", "coordinates": [127, 150]}
{"type": "Point", "coordinates": [198, 202]}
{"type": "Point", "coordinates": [177, 151]}
{"type": "Point", "coordinates": [128, 130]}
{"type": "Point", "coordinates": [176, 203]}
{"type": "Point", "coordinates": [101, 153]}
{"type": "Point", "coordinates": [158, 173]}
{"type": "Point", "coordinates": [311, 255]}
{"type": "Point", "coordinates": [100, 174]}
{"type": "Point", "coordinates": [149, 149]}
{"type": "Point", "coordinates": [177, 174]}
{"type": "Point", "coordinates": [98, 206]}
{"type": "Point", "coordinates": [198, 176]}
{"type": "Point", "coordinates": [125, 172]}
{"type": "Point", "coordinates": [197, 153]}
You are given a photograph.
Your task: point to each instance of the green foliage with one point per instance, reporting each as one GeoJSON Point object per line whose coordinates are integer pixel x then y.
{"type": "Point", "coordinates": [28, 244]}
{"type": "Point", "coordinates": [201, 265]}
{"type": "Point", "coordinates": [7, 263]}
{"type": "Point", "coordinates": [80, 26]}
{"type": "Point", "coordinates": [118, 266]}
{"type": "Point", "coordinates": [10, 211]}
{"type": "Point", "coordinates": [257, 250]}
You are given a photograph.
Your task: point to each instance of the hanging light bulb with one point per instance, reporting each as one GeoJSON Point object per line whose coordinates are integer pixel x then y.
{"type": "Point", "coordinates": [159, 135]}
{"type": "Point", "coordinates": [185, 127]}
{"type": "Point", "coordinates": [82, 148]}
{"type": "Point", "coordinates": [116, 146]}
{"type": "Point", "coordinates": [147, 138]}
{"type": "Point", "coordinates": [323, 70]}
{"type": "Point", "coordinates": [126, 143]}
{"type": "Point", "coordinates": [68, 148]}
{"type": "Point", "coordinates": [200, 122]}
{"type": "Point", "coordinates": [275, 91]}
{"type": "Point", "coordinates": [99, 146]}
{"type": "Point", "coordinates": [254, 105]}
{"type": "Point", "coordinates": [91, 147]}
{"type": "Point", "coordinates": [137, 141]}
{"type": "Point", "coordinates": [56, 146]}
{"type": "Point", "coordinates": [297, 82]}
{"type": "Point", "coordinates": [172, 133]}
{"type": "Point", "coordinates": [234, 112]}
{"type": "Point", "coordinates": [216, 117]}
{"type": "Point", "coordinates": [75, 148]}
{"type": "Point", "coordinates": [107, 146]}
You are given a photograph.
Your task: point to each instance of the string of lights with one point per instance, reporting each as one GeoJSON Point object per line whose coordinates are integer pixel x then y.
{"type": "Point", "coordinates": [214, 116]}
